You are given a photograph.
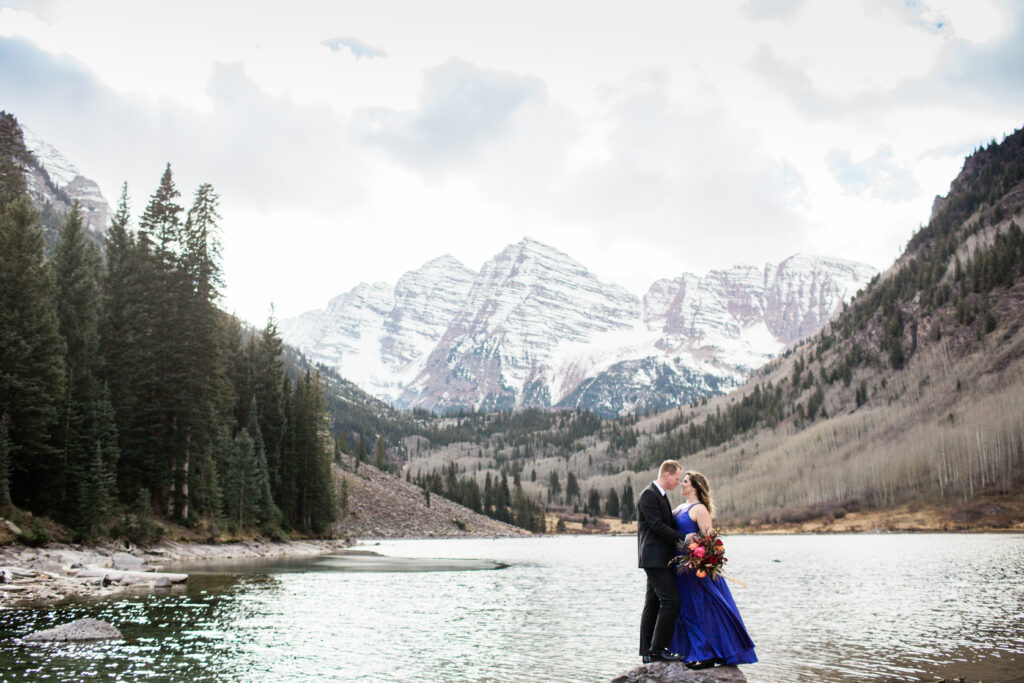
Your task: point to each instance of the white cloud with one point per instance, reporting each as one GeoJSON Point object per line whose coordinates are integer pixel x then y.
{"type": "Point", "coordinates": [877, 177]}
{"type": "Point", "coordinates": [358, 48]}
{"type": "Point", "coordinates": [643, 140]}
{"type": "Point", "coordinates": [461, 109]}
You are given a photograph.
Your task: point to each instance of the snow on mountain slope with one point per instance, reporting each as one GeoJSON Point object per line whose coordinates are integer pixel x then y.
{"type": "Point", "coordinates": [536, 328]}
{"type": "Point", "coordinates": [65, 176]}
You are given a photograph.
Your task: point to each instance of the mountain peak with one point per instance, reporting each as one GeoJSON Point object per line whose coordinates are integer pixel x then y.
{"type": "Point", "coordinates": [443, 261]}
{"type": "Point", "coordinates": [535, 328]}
{"type": "Point", "coordinates": [55, 180]}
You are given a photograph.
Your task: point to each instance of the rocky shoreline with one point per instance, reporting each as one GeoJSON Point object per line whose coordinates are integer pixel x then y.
{"type": "Point", "coordinates": [58, 571]}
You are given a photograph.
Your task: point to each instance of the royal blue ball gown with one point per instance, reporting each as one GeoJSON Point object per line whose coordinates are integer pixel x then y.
{"type": "Point", "coordinates": [708, 624]}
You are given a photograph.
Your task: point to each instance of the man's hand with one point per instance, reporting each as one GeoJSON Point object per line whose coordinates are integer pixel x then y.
{"type": "Point", "coordinates": [690, 538]}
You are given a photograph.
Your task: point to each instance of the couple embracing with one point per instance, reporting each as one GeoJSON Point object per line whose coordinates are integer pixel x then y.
{"type": "Point", "coordinates": [686, 618]}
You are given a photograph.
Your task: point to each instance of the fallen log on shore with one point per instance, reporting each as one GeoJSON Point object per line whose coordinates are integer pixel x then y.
{"type": "Point", "coordinates": [133, 578]}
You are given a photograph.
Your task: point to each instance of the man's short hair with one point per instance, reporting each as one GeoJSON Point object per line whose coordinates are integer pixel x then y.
{"type": "Point", "coordinates": [669, 467]}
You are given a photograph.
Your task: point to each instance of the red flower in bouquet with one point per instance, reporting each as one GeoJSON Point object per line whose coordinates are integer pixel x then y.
{"type": "Point", "coordinates": [704, 556]}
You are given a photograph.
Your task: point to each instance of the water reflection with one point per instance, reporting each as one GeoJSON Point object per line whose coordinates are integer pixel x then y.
{"type": "Point", "coordinates": [820, 608]}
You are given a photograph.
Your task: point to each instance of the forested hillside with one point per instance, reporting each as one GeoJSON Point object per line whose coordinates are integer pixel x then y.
{"type": "Point", "coordinates": [125, 392]}
{"type": "Point", "coordinates": [915, 392]}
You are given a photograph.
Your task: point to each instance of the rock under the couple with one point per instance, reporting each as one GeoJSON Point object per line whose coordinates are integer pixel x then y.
{"type": "Point", "coordinates": [81, 629]}
{"type": "Point", "coordinates": [676, 672]}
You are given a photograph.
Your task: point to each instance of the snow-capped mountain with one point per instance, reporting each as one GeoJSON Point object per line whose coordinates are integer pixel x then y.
{"type": "Point", "coordinates": [536, 328]}
{"type": "Point", "coordinates": [64, 177]}
{"type": "Point", "coordinates": [526, 302]}
{"type": "Point", "coordinates": [378, 335]}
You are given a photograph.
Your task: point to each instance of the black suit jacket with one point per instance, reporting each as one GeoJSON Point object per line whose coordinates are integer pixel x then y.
{"type": "Point", "coordinates": [655, 529]}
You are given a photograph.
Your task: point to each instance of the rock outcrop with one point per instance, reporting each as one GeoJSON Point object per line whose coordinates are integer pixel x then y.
{"type": "Point", "coordinates": [79, 630]}
{"type": "Point", "coordinates": [56, 181]}
{"type": "Point", "coordinates": [676, 672]}
{"type": "Point", "coordinates": [39, 576]}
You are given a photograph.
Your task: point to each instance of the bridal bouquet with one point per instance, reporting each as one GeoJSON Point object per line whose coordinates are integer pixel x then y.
{"type": "Point", "coordinates": [704, 556]}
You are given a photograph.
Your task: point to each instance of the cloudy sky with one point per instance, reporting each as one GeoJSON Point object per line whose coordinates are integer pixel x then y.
{"type": "Point", "coordinates": [353, 141]}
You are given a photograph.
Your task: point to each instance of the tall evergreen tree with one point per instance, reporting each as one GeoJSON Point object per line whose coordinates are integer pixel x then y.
{"type": "Point", "coordinates": [572, 488]}
{"type": "Point", "coordinates": [14, 157]}
{"type": "Point", "coordinates": [124, 334]}
{"type": "Point", "coordinates": [31, 356]}
{"type": "Point", "coordinates": [554, 486]}
{"type": "Point", "coordinates": [76, 265]}
{"type": "Point", "coordinates": [314, 504]}
{"type": "Point", "coordinates": [627, 507]}
{"type": "Point", "coordinates": [204, 369]}
{"type": "Point", "coordinates": [241, 495]}
{"type": "Point", "coordinates": [269, 388]}
{"type": "Point", "coordinates": [269, 514]}
{"type": "Point", "coordinates": [611, 503]}
{"type": "Point", "coordinates": [5, 467]}
{"type": "Point", "coordinates": [157, 459]}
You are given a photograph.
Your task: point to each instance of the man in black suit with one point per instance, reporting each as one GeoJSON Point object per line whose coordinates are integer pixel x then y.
{"type": "Point", "coordinates": [656, 539]}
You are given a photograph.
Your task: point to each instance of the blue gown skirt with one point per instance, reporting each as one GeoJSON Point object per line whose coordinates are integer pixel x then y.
{"type": "Point", "coordinates": [708, 624]}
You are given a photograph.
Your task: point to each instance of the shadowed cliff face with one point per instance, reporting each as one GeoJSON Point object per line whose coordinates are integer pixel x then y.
{"type": "Point", "coordinates": [534, 328]}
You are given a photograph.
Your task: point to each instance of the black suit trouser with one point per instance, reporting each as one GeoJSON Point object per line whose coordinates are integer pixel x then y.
{"type": "Point", "coordinates": [661, 605]}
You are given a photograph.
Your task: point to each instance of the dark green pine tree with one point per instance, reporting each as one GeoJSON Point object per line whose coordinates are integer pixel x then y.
{"type": "Point", "coordinates": [488, 496]}
{"type": "Point", "coordinates": [14, 157]}
{"type": "Point", "coordinates": [269, 514]}
{"type": "Point", "coordinates": [5, 470]}
{"type": "Point", "coordinates": [554, 487]}
{"type": "Point", "coordinates": [611, 503]}
{"type": "Point", "coordinates": [241, 355]}
{"type": "Point", "coordinates": [241, 495]}
{"type": "Point", "coordinates": [76, 266]}
{"type": "Point", "coordinates": [205, 495]}
{"type": "Point", "coordinates": [201, 338]}
{"type": "Point", "coordinates": [31, 354]}
{"type": "Point", "coordinates": [572, 488]}
{"type": "Point", "coordinates": [269, 386]}
{"type": "Point", "coordinates": [160, 391]}
{"type": "Point", "coordinates": [361, 447]}
{"type": "Point", "coordinates": [314, 505]}
{"type": "Point", "coordinates": [502, 500]}
{"type": "Point", "coordinates": [379, 457]}
{"type": "Point", "coordinates": [162, 218]}
{"type": "Point", "coordinates": [97, 489]}
{"type": "Point", "coordinates": [124, 331]}
{"type": "Point", "coordinates": [286, 495]}
{"type": "Point", "coordinates": [627, 506]}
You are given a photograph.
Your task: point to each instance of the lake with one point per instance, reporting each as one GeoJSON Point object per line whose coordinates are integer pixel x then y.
{"type": "Point", "coordinates": [907, 607]}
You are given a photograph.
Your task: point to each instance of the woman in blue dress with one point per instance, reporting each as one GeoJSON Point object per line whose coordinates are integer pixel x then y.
{"type": "Point", "coordinates": [708, 629]}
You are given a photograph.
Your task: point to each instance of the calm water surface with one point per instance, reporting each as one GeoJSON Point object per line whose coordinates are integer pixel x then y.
{"type": "Point", "coordinates": [819, 608]}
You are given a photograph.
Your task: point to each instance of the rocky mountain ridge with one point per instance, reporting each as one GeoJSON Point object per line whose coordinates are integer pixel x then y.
{"type": "Point", "coordinates": [535, 328]}
{"type": "Point", "coordinates": [56, 181]}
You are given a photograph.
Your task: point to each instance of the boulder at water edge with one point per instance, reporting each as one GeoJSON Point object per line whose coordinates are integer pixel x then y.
{"type": "Point", "coordinates": [82, 629]}
{"type": "Point", "coordinates": [676, 672]}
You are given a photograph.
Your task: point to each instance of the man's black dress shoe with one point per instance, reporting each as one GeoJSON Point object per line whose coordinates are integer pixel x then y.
{"type": "Point", "coordinates": [706, 664]}
{"type": "Point", "coordinates": [665, 655]}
